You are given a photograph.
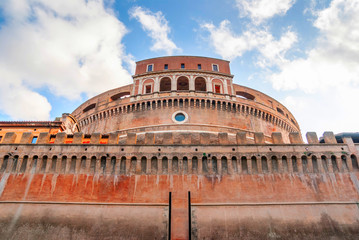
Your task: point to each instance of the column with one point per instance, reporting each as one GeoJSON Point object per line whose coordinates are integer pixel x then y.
{"type": "Point", "coordinates": [191, 83]}
{"type": "Point", "coordinates": [156, 87]}
{"type": "Point", "coordinates": [209, 84]}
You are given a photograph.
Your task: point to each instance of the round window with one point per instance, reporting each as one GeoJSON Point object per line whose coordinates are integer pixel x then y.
{"type": "Point", "coordinates": [180, 117]}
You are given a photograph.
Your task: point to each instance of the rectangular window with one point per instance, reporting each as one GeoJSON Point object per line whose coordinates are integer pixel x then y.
{"type": "Point", "coordinates": [215, 67]}
{"type": "Point", "coordinates": [199, 66]}
{"type": "Point", "coordinates": [34, 140]}
{"type": "Point", "coordinates": [148, 89]}
{"type": "Point", "coordinates": [182, 65]}
{"type": "Point", "coordinates": [217, 89]}
{"type": "Point", "coordinates": [150, 68]}
{"type": "Point", "coordinates": [166, 66]}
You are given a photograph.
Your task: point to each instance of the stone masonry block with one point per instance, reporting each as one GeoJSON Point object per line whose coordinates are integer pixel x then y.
{"type": "Point", "coordinates": [113, 138]}
{"type": "Point", "coordinates": [167, 138]}
{"type": "Point", "coordinates": [177, 138]}
{"type": "Point", "coordinates": [195, 138]}
{"type": "Point", "coordinates": [204, 138]}
{"type": "Point", "coordinates": [95, 138]}
{"type": "Point", "coordinates": [223, 138]}
{"type": "Point", "coordinates": [277, 138]}
{"type": "Point", "coordinates": [44, 138]}
{"type": "Point", "coordinates": [312, 138]}
{"type": "Point", "coordinates": [122, 140]}
{"type": "Point", "coordinates": [159, 138]}
{"type": "Point", "coordinates": [26, 138]}
{"type": "Point", "coordinates": [241, 138]}
{"type": "Point", "coordinates": [60, 138]}
{"type": "Point", "coordinates": [259, 138]}
{"type": "Point", "coordinates": [186, 138]}
{"type": "Point", "coordinates": [294, 138]}
{"type": "Point", "coordinates": [78, 136]}
{"type": "Point", "coordinates": [131, 138]}
{"type": "Point", "coordinates": [213, 139]}
{"type": "Point", "coordinates": [9, 138]}
{"type": "Point", "coordinates": [149, 138]}
{"type": "Point", "coordinates": [140, 139]}
{"type": "Point", "coordinates": [329, 138]}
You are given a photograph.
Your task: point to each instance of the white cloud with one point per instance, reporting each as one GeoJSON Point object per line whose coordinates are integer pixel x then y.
{"type": "Point", "coordinates": [329, 74]}
{"type": "Point", "coordinates": [156, 25]}
{"type": "Point", "coordinates": [71, 47]}
{"type": "Point", "coordinates": [261, 10]}
{"type": "Point", "coordinates": [229, 45]}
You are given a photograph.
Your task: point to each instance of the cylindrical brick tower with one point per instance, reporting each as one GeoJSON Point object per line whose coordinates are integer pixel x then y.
{"type": "Point", "coordinates": [185, 94]}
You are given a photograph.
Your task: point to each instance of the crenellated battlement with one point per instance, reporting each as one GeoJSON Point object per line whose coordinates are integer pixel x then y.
{"type": "Point", "coordinates": [176, 153]}
{"type": "Point", "coordinates": [166, 138]}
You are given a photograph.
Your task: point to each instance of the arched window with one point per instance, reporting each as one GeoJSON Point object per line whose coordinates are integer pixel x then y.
{"type": "Point", "coordinates": [254, 164]}
{"type": "Point", "coordinates": [274, 161]}
{"type": "Point", "coordinates": [89, 107]}
{"type": "Point", "coordinates": [73, 164]}
{"type": "Point", "coordinates": [244, 165]}
{"type": "Point", "coordinates": [165, 165]}
{"type": "Point", "coordinates": [244, 95]}
{"type": "Point", "coordinates": [63, 164]}
{"type": "Point", "coordinates": [194, 165]}
{"type": "Point", "coordinates": [264, 164]}
{"type": "Point", "coordinates": [53, 164]}
{"type": "Point", "coordinates": [4, 163]}
{"type": "Point", "coordinates": [103, 164]}
{"type": "Point", "coordinates": [123, 165]}
{"type": "Point", "coordinates": [294, 164]}
{"type": "Point", "coordinates": [182, 84]}
{"type": "Point", "coordinates": [214, 165]}
{"type": "Point", "coordinates": [133, 164]}
{"type": "Point", "coordinates": [334, 163]}
{"type": "Point", "coordinates": [14, 163]}
{"type": "Point", "coordinates": [315, 164]}
{"type": "Point", "coordinates": [165, 84]}
{"type": "Point", "coordinates": [154, 166]}
{"type": "Point", "coordinates": [284, 164]}
{"type": "Point", "coordinates": [204, 165]}
{"type": "Point", "coordinates": [234, 164]}
{"type": "Point", "coordinates": [200, 84]}
{"type": "Point", "coordinates": [344, 163]}
{"type": "Point", "coordinates": [354, 162]}
{"type": "Point", "coordinates": [43, 164]}
{"type": "Point", "coordinates": [305, 164]}
{"type": "Point", "coordinates": [143, 165]}
{"type": "Point", "coordinates": [185, 164]}
{"type": "Point", "coordinates": [224, 165]}
{"type": "Point", "coordinates": [83, 164]}
{"type": "Point", "coordinates": [120, 95]}
{"type": "Point", "coordinates": [93, 165]}
{"type": "Point", "coordinates": [324, 163]}
{"type": "Point", "coordinates": [175, 165]}
{"type": "Point", "coordinates": [113, 165]}
{"type": "Point", "coordinates": [24, 164]}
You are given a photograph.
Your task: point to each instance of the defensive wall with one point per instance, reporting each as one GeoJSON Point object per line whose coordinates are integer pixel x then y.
{"type": "Point", "coordinates": [182, 186]}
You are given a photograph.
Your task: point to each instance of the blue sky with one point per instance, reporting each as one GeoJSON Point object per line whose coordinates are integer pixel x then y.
{"type": "Point", "coordinates": [56, 54]}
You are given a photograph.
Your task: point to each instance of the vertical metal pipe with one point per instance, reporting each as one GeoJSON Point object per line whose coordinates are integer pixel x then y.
{"type": "Point", "coordinates": [169, 214]}
{"type": "Point", "coordinates": [189, 216]}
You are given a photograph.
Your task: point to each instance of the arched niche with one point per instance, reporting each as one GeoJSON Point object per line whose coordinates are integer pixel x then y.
{"type": "Point", "coordinates": [200, 84]}
{"type": "Point", "coordinates": [244, 95]}
{"type": "Point", "coordinates": [182, 84]}
{"type": "Point", "coordinates": [165, 84]}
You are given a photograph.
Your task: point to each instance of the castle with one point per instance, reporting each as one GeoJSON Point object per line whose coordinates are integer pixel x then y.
{"type": "Point", "coordinates": [182, 153]}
